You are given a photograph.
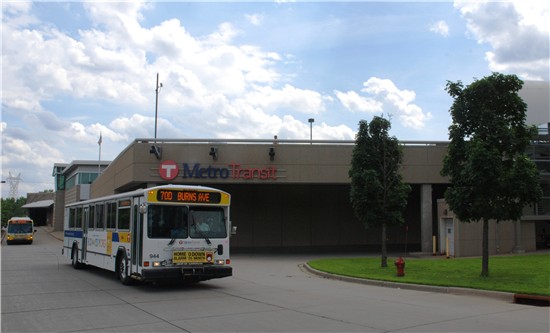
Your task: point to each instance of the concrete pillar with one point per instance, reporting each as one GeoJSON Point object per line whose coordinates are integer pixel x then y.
{"type": "Point", "coordinates": [426, 217]}
{"type": "Point", "coordinates": [518, 248]}
{"type": "Point", "coordinates": [59, 210]}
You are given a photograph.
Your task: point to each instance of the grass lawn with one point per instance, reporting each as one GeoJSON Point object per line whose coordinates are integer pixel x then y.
{"type": "Point", "coordinates": [524, 274]}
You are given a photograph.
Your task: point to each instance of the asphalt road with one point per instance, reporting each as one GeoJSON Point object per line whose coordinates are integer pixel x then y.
{"type": "Point", "coordinates": [41, 292]}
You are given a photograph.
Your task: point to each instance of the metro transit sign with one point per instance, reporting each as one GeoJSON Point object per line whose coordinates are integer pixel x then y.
{"type": "Point", "coordinates": [169, 170]}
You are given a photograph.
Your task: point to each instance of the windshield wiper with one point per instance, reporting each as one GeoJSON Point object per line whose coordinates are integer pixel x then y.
{"type": "Point", "coordinates": [199, 229]}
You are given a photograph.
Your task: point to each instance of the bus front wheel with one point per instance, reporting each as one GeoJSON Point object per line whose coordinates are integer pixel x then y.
{"type": "Point", "coordinates": [122, 268]}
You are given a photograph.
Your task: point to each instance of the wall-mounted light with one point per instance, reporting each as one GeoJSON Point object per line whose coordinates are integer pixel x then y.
{"type": "Point", "coordinates": [213, 153]}
{"type": "Point", "coordinates": [157, 151]}
{"type": "Point", "coordinates": [271, 153]}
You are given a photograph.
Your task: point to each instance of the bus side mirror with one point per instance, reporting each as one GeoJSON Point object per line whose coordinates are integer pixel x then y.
{"type": "Point", "coordinates": [142, 208]}
{"type": "Point", "coordinates": [234, 230]}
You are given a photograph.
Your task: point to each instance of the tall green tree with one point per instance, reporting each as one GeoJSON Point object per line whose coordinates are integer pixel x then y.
{"type": "Point", "coordinates": [378, 194]}
{"type": "Point", "coordinates": [491, 176]}
{"type": "Point", "coordinates": [12, 207]}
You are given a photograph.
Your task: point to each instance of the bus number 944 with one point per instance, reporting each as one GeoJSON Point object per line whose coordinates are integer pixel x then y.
{"type": "Point", "coordinates": [154, 255]}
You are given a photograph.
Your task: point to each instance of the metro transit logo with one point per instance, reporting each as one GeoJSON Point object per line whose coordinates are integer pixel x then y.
{"type": "Point", "coordinates": [169, 170]}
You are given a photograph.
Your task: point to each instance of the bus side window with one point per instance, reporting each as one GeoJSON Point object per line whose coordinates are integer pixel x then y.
{"type": "Point", "coordinates": [100, 217]}
{"type": "Point", "coordinates": [72, 216]}
{"type": "Point", "coordinates": [124, 218]}
{"type": "Point", "coordinates": [111, 215]}
{"type": "Point", "coordinates": [79, 216]}
{"type": "Point", "coordinates": [91, 218]}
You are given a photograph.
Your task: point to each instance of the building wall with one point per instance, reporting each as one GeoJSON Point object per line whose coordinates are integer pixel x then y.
{"type": "Point", "coordinates": [501, 237]}
{"type": "Point", "coordinates": [305, 217]}
{"type": "Point", "coordinates": [468, 236]}
{"type": "Point", "coordinates": [295, 164]}
{"type": "Point", "coordinates": [305, 206]}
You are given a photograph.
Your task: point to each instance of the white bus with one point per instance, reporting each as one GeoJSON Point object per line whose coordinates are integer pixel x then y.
{"type": "Point", "coordinates": [169, 232]}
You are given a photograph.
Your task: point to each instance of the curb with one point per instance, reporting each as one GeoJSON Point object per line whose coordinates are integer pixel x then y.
{"type": "Point", "coordinates": [504, 296]}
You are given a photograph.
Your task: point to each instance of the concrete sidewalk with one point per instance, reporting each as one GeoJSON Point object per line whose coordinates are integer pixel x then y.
{"type": "Point", "coordinates": [57, 234]}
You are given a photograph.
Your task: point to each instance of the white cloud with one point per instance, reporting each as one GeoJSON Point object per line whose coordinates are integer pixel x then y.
{"type": "Point", "coordinates": [441, 28]}
{"type": "Point", "coordinates": [225, 34]}
{"type": "Point", "coordinates": [517, 33]}
{"type": "Point", "coordinates": [385, 97]}
{"type": "Point", "coordinates": [352, 101]}
{"type": "Point", "coordinates": [288, 97]}
{"type": "Point", "coordinates": [254, 19]}
{"type": "Point", "coordinates": [35, 153]}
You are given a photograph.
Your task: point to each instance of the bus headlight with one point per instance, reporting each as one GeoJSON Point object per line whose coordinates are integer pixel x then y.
{"type": "Point", "coordinates": [159, 263]}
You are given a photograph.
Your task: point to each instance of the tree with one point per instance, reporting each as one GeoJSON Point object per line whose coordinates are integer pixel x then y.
{"type": "Point", "coordinates": [491, 176]}
{"type": "Point", "coordinates": [12, 207]}
{"type": "Point", "coordinates": [378, 195]}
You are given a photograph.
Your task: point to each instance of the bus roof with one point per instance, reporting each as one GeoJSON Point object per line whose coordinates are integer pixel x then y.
{"type": "Point", "coordinates": [24, 218]}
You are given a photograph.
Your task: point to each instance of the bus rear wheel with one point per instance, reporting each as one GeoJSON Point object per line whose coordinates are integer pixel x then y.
{"type": "Point", "coordinates": [74, 258]}
{"type": "Point", "coordinates": [122, 268]}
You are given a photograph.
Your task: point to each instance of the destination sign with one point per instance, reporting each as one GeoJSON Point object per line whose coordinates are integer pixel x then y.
{"type": "Point", "coordinates": [189, 196]}
{"type": "Point", "coordinates": [19, 221]}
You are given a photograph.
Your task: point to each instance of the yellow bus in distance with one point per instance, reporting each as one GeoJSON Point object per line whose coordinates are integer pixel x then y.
{"type": "Point", "coordinates": [20, 230]}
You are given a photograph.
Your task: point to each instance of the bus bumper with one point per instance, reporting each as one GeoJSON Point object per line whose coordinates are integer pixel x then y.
{"type": "Point", "coordinates": [194, 273]}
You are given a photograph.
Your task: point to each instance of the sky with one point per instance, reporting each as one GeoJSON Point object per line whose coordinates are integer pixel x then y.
{"type": "Point", "coordinates": [75, 71]}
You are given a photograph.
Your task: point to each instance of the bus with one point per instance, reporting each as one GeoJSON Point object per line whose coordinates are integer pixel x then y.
{"type": "Point", "coordinates": [168, 232]}
{"type": "Point", "coordinates": [20, 230]}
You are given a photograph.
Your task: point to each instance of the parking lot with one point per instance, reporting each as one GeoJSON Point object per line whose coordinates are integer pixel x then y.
{"type": "Point", "coordinates": [41, 292]}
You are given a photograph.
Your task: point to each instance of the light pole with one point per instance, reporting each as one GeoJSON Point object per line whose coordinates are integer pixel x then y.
{"type": "Point", "coordinates": [157, 151]}
{"type": "Point", "coordinates": [311, 120]}
{"type": "Point", "coordinates": [157, 90]}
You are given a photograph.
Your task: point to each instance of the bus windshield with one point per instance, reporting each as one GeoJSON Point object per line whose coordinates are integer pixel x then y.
{"type": "Point", "coordinates": [20, 228]}
{"type": "Point", "coordinates": [170, 222]}
{"type": "Point", "coordinates": [167, 222]}
{"type": "Point", "coordinates": [207, 222]}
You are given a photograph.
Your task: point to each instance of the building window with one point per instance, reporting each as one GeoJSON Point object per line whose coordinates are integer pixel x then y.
{"type": "Point", "coordinates": [60, 183]}
{"type": "Point", "coordinates": [86, 177]}
{"type": "Point", "coordinates": [70, 183]}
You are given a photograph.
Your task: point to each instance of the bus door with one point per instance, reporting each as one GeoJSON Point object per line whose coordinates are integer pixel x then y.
{"type": "Point", "coordinates": [136, 230]}
{"type": "Point", "coordinates": [85, 217]}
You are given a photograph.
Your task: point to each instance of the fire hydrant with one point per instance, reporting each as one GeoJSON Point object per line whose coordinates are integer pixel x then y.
{"type": "Point", "coordinates": [400, 264]}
